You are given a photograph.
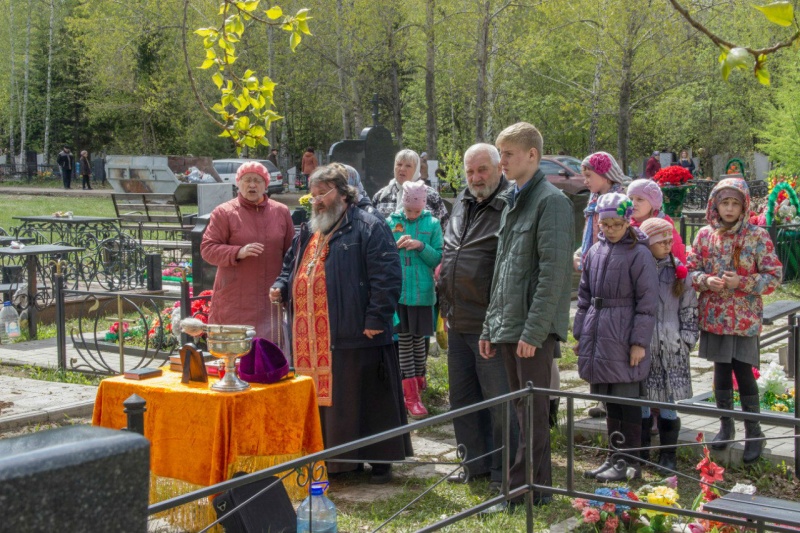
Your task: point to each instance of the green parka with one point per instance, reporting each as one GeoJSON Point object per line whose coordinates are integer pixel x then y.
{"type": "Point", "coordinates": [418, 265]}
{"type": "Point", "coordinates": [533, 271]}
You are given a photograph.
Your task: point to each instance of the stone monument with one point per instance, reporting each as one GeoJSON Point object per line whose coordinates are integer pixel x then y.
{"type": "Point", "coordinates": [372, 154]}
{"type": "Point", "coordinates": [75, 478]}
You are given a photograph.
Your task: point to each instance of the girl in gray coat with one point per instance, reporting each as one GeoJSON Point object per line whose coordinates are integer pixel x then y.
{"type": "Point", "coordinates": [674, 337]}
{"type": "Point", "coordinates": [617, 305]}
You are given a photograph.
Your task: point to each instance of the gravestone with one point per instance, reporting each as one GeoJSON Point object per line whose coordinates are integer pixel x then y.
{"type": "Point", "coordinates": [372, 154]}
{"type": "Point", "coordinates": [203, 273]}
{"type": "Point", "coordinates": [75, 478]}
{"type": "Point", "coordinates": [761, 165]}
{"type": "Point", "coordinates": [210, 195]}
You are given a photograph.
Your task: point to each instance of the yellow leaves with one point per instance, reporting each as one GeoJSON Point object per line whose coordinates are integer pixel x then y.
{"type": "Point", "coordinates": [780, 13]}
{"type": "Point", "coordinates": [246, 101]}
{"type": "Point", "coordinates": [762, 75]}
{"type": "Point", "coordinates": [274, 13]}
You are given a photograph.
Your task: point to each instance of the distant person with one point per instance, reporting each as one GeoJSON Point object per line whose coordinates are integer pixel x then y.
{"type": "Point", "coordinates": [686, 162]}
{"type": "Point", "coordinates": [273, 156]}
{"type": "Point", "coordinates": [66, 162]}
{"type": "Point", "coordinates": [308, 165]}
{"type": "Point", "coordinates": [86, 171]}
{"type": "Point", "coordinates": [653, 166]}
{"type": "Point", "coordinates": [423, 168]}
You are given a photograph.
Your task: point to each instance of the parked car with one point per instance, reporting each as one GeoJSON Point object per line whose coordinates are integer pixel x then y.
{"type": "Point", "coordinates": [226, 168]}
{"type": "Point", "coordinates": [564, 172]}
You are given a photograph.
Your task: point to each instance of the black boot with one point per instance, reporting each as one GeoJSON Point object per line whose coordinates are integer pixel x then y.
{"type": "Point", "coordinates": [554, 412]}
{"type": "Point", "coordinates": [727, 431]}
{"type": "Point", "coordinates": [646, 441]}
{"type": "Point", "coordinates": [613, 425]}
{"type": "Point", "coordinates": [621, 470]}
{"type": "Point", "coordinates": [752, 430]}
{"type": "Point", "coordinates": [668, 431]}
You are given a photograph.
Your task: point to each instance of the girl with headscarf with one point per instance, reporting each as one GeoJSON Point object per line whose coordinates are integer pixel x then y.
{"type": "Point", "coordinates": [647, 201]}
{"type": "Point", "coordinates": [602, 175]}
{"type": "Point", "coordinates": [733, 264]}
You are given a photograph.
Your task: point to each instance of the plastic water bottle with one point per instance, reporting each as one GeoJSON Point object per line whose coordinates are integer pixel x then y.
{"type": "Point", "coordinates": [322, 512]}
{"type": "Point", "coordinates": [9, 324]}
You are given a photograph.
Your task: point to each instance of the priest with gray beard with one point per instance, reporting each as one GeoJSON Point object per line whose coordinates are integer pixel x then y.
{"type": "Point", "coordinates": [341, 280]}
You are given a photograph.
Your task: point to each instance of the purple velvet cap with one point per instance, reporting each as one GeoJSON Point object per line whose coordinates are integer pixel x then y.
{"type": "Point", "coordinates": [264, 363]}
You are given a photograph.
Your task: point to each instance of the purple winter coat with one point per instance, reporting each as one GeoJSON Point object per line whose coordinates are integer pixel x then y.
{"type": "Point", "coordinates": [624, 276]}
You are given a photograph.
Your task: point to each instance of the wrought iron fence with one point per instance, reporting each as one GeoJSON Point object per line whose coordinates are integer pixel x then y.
{"type": "Point", "coordinates": [133, 329]}
{"type": "Point", "coordinates": [311, 467]}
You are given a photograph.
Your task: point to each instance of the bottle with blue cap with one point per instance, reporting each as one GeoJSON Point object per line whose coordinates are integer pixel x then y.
{"type": "Point", "coordinates": [317, 514]}
{"type": "Point", "coordinates": [9, 324]}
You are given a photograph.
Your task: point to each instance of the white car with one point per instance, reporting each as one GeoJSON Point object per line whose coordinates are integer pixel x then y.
{"type": "Point", "coordinates": [226, 168]}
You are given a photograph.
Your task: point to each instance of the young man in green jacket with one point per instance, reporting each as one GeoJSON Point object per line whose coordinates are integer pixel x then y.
{"type": "Point", "coordinates": [529, 310]}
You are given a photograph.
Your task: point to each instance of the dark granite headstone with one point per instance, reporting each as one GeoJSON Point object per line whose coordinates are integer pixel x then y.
{"type": "Point", "coordinates": [75, 478]}
{"type": "Point", "coordinates": [372, 154]}
{"type": "Point", "coordinates": [203, 273]}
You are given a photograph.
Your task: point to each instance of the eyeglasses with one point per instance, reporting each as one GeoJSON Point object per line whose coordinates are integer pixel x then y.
{"type": "Point", "coordinates": [612, 225]}
{"type": "Point", "coordinates": [318, 199]}
{"type": "Point", "coordinates": [665, 244]}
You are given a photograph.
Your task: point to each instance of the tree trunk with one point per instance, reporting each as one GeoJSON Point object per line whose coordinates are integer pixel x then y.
{"type": "Point", "coordinates": [482, 56]}
{"type": "Point", "coordinates": [23, 121]}
{"type": "Point", "coordinates": [49, 84]}
{"type": "Point", "coordinates": [594, 121]}
{"type": "Point", "coordinates": [341, 61]}
{"type": "Point", "coordinates": [273, 136]}
{"type": "Point", "coordinates": [624, 112]}
{"type": "Point", "coordinates": [11, 147]}
{"type": "Point", "coordinates": [397, 118]}
{"type": "Point", "coordinates": [358, 116]}
{"type": "Point", "coordinates": [430, 81]}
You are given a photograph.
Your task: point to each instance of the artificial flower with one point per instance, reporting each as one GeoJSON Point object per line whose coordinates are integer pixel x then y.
{"type": "Point", "coordinates": [663, 496]}
{"type": "Point", "coordinates": [710, 472]}
{"type": "Point", "coordinates": [744, 488]}
{"type": "Point", "coordinates": [591, 515]}
{"type": "Point", "coordinates": [681, 272]}
{"type": "Point", "coordinates": [671, 482]}
{"type": "Point", "coordinates": [580, 504]}
{"type": "Point", "coordinates": [672, 176]}
{"type": "Point", "coordinates": [612, 522]}
{"type": "Point", "coordinates": [608, 507]}
{"type": "Point", "coordinates": [600, 163]}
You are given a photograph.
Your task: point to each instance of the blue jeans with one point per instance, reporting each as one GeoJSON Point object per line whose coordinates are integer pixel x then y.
{"type": "Point", "coordinates": [474, 379]}
{"type": "Point", "coordinates": [666, 414]}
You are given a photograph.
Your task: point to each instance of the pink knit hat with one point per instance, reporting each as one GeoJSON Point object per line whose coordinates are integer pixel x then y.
{"type": "Point", "coordinates": [657, 229]}
{"type": "Point", "coordinates": [253, 167]}
{"type": "Point", "coordinates": [649, 190]}
{"type": "Point", "coordinates": [415, 194]}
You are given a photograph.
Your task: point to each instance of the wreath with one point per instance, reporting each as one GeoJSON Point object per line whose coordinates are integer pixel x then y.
{"type": "Point", "coordinates": [780, 193]}
{"type": "Point", "coordinates": [734, 166]}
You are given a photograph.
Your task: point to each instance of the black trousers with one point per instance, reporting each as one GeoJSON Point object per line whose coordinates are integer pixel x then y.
{"type": "Point", "coordinates": [66, 178]}
{"type": "Point", "coordinates": [537, 370]}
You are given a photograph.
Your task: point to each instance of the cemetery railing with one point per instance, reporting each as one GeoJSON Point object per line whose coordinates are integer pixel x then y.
{"type": "Point", "coordinates": [311, 467]}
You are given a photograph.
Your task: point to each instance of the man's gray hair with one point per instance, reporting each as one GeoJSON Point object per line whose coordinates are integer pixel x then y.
{"type": "Point", "coordinates": [334, 175]}
{"type": "Point", "coordinates": [485, 148]}
{"type": "Point", "coordinates": [409, 155]}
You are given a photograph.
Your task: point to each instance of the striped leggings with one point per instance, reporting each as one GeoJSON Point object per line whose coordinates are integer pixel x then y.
{"type": "Point", "coordinates": [413, 355]}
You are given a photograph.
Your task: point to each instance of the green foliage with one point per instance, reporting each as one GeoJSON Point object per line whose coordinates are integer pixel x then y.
{"type": "Point", "coordinates": [245, 109]}
{"type": "Point", "coordinates": [453, 166]}
{"type": "Point", "coordinates": [61, 376]}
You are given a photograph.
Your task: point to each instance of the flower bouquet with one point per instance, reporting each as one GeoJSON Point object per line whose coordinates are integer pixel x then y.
{"type": "Point", "coordinates": [605, 517]}
{"type": "Point", "coordinates": [305, 202]}
{"type": "Point", "coordinates": [674, 185]}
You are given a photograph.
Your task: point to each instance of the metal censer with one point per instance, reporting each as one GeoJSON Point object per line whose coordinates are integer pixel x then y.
{"type": "Point", "coordinates": [224, 341]}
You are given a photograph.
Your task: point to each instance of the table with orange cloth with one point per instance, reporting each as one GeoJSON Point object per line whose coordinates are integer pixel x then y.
{"type": "Point", "coordinates": [200, 437]}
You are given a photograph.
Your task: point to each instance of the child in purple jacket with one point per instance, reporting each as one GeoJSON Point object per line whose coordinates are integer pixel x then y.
{"type": "Point", "coordinates": [617, 306]}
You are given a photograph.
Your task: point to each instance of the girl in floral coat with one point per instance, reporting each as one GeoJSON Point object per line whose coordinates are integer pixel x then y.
{"type": "Point", "coordinates": [733, 263]}
{"type": "Point", "coordinates": [674, 338]}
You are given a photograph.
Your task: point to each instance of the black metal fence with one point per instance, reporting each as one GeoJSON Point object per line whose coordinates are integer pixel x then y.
{"type": "Point", "coordinates": [28, 172]}
{"type": "Point", "coordinates": [311, 467]}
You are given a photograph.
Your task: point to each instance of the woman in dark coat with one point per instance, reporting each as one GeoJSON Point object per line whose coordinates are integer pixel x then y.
{"type": "Point", "coordinates": [617, 305]}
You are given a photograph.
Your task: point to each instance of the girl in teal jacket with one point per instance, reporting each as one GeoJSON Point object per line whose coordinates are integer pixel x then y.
{"type": "Point", "coordinates": [419, 240]}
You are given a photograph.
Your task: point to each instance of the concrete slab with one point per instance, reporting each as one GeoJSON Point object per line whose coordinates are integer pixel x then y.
{"type": "Point", "coordinates": [29, 401]}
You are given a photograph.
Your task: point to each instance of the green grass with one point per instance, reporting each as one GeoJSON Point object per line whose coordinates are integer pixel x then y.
{"type": "Point", "coordinates": [51, 374]}
{"type": "Point", "coordinates": [24, 205]}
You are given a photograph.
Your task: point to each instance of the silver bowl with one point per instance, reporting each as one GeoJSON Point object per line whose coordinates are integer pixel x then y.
{"type": "Point", "coordinates": [225, 342]}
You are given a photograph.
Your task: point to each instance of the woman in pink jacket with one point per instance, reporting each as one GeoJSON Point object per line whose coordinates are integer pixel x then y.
{"type": "Point", "coordinates": [246, 240]}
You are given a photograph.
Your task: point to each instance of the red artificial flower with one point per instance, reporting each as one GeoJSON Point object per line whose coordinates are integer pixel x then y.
{"type": "Point", "coordinates": [681, 272]}
{"type": "Point", "coordinates": [672, 176]}
{"type": "Point", "coordinates": [710, 472]}
{"type": "Point", "coordinates": [756, 373]}
{"type": "Point", "coordinates": [632, 496]}
{"type": "Point", "coordinates": [699, 437]}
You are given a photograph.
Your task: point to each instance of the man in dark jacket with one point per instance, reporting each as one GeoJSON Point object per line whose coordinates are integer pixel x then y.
{"type": "Point", "coordinates": [529, 309]}
{"type": "Point", "coordinates": [470, 247]}
{"type": "Point", "coordinates": [342, 280]}
{"type": "Point", "coordinates": [66, 162]}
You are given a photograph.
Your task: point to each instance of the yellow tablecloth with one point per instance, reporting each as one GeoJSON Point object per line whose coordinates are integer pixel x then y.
{"type": "Point", "coordinates": [200, 437]}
